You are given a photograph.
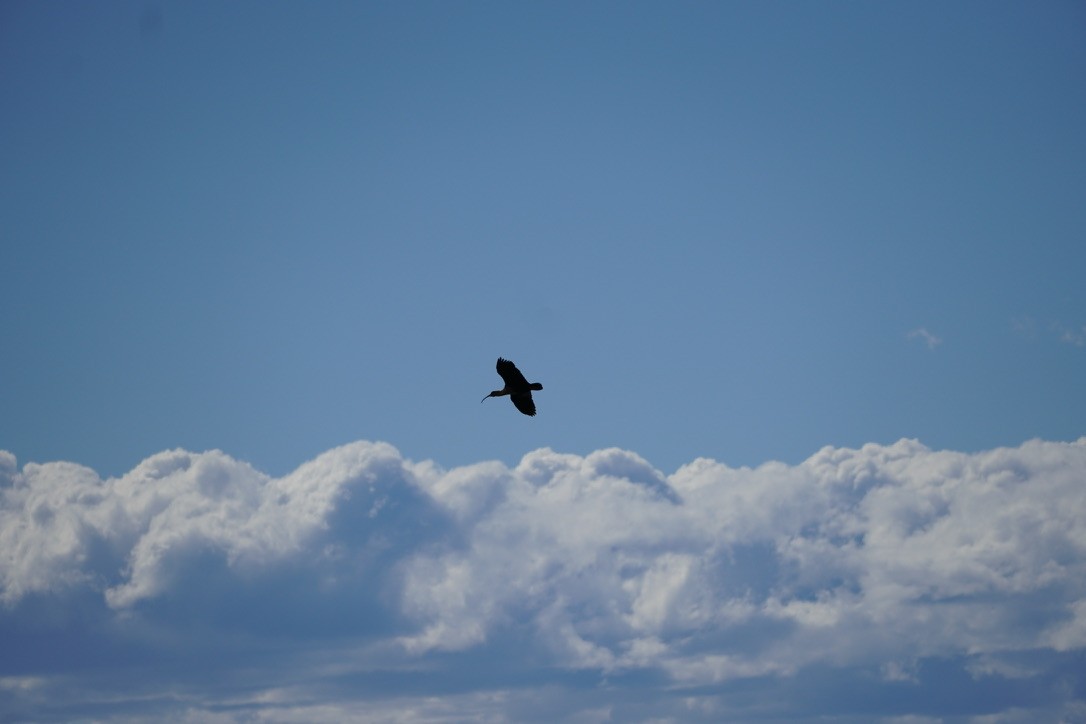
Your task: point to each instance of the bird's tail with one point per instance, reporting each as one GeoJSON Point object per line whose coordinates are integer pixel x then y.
{"type": "Point", "coordinates": [536, 386]}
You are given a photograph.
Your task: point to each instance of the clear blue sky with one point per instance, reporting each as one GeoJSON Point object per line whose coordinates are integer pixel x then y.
{"type": "Point", "coordinates": [738, 231]}
{"type": "Point", "coordinates": [708, 229]}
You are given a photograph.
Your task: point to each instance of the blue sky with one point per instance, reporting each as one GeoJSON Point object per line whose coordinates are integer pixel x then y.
{"type": "Point", "coordinates": [733, 231]}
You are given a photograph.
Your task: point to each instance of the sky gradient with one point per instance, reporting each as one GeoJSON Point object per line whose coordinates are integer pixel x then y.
{"type": "Point", "coordinates": [822, 264]}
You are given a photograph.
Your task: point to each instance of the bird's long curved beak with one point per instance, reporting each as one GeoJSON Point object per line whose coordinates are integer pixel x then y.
{"type": "Point", "coordinates": [485, 398]}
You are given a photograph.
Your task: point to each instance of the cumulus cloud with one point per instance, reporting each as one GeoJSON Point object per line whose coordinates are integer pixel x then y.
{"type": "Point", "coordinates": [597, 584]}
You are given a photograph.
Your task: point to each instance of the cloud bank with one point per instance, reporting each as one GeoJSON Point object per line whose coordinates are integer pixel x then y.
{"type": "Point", "coordinates": [891, 582]}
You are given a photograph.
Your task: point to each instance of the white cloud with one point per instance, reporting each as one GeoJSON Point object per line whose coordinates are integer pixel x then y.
{"type": "Point", "coordinates": [360, 565]}
{"type": "Point", "coordinates": [1071, 335]}
{"type": "Point", "coordinates": [925, 336]}
{"type": "Point", "coordinates": [1026, 326]}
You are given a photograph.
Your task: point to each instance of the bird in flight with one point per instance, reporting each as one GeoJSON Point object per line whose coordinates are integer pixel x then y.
{"type": "Point", "coordinates": [518, 389]}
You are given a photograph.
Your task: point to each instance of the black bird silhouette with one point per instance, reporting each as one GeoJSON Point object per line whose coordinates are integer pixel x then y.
{"type": "Point", "coordinates": [518, 389]}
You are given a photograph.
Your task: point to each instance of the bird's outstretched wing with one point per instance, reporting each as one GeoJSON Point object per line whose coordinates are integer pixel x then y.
{"type": "Point", "coordinates": [524, 402]}
{"type": "Point", "coordinates": [511, 375]}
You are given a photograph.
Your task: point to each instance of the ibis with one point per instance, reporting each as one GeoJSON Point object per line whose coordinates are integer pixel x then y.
{"type": "Point", "coordinates": [516, 386]}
